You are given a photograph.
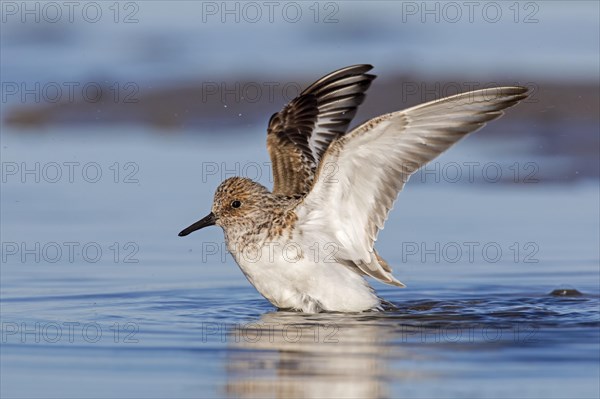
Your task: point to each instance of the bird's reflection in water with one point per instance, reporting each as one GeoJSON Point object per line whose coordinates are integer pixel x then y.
{"type": "Point", "coordinates": [286, 354]}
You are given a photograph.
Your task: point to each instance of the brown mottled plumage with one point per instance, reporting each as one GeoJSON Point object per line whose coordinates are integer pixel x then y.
{"type": "Point", "coordinates": [262, 211]}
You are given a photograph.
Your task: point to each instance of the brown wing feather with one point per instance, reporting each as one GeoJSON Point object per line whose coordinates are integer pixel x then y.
{"type": "Point", "coordinates": [291, 170]}
{"type": "Point", "coordinates": [301, 132]}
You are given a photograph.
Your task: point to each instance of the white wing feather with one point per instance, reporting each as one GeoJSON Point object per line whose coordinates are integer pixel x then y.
{"type": "Point", "coordinates": [362, 173]}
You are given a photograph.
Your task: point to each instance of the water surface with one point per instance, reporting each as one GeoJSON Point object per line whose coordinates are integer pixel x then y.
{"type": "Point", "coordinates": [154, 315]}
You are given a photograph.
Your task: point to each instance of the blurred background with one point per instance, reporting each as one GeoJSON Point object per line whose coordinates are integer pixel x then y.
{"type": "Point", "coordinates": [214, 69]}
{"type": "Point", "coordinates": [119, 119]}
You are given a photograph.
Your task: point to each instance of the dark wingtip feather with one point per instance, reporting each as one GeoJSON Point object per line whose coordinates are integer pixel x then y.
{"type": "Point", "coordinates": [311, 121]}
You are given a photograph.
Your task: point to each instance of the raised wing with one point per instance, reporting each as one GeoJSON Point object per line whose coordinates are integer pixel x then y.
{"type": "Point", "coordinates": [300, 133]}
{"type": "Point", "coordinates": [362, 173]}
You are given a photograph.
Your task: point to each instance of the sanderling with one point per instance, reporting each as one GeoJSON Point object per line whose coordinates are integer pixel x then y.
{"type": "Point", "coordinates": [308, 244]}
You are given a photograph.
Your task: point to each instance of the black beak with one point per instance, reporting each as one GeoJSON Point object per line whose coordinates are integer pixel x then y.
{"type": "Point", "coordinates": [209, 220]}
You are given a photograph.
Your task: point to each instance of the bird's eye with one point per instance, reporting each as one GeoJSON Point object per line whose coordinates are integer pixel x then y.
{"type": "Point", "coordinates": [236, 204]}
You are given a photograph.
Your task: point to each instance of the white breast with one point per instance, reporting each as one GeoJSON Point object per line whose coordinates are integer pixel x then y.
{"type": "Point", "coordinates": [303, 276]}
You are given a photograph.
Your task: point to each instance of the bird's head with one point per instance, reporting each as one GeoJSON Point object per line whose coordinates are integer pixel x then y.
{"type": "Point", "coordinates": [237, 201]}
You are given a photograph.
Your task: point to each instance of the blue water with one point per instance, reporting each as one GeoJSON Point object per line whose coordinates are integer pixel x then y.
{"type": "Point", "coordinates": [100, 298]}
{"type": "Point", "coordinates": [156, 315]}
